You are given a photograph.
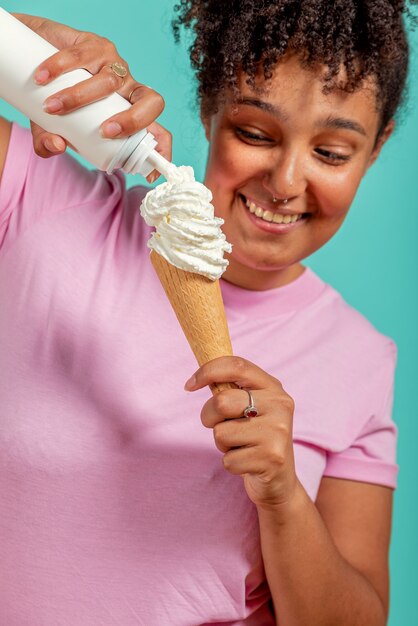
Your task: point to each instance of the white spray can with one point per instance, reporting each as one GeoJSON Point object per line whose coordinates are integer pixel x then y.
{"type": "Point", "coordinates": [21, 51]}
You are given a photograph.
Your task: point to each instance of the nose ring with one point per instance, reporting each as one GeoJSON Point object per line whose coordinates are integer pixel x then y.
{"type": "Point", "coordinates": [284, 201]}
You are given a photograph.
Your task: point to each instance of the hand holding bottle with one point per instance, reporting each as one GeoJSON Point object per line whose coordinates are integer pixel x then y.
{"type": "Point", "coordinates": [110, 74]}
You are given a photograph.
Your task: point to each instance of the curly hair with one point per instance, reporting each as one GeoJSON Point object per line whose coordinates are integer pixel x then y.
{"type": "Point", "coordinates": [365, 37]}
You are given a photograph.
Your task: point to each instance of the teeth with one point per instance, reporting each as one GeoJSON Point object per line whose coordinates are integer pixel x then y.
{"type": "Point", "coordinates": [269, 216]}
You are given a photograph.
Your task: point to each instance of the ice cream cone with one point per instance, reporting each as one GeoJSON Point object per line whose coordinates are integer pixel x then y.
{"type": "Point", "coordinates": [198, 305]}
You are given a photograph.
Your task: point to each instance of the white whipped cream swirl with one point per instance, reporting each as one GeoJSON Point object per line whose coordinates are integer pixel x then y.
{"type": "Point", "coordinates": [187, 234]}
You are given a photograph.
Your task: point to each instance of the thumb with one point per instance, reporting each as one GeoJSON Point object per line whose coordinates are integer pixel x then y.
{"type": "Point", "coordinates": [46, 144]}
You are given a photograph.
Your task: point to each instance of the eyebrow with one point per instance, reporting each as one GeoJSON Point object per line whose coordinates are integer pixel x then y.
{"type": "Point", "coordinates": [342, 122]}
{"type": "Point", "coordinates": [264, 106]}
{"type": "Point", "coordinates": [329, 122]}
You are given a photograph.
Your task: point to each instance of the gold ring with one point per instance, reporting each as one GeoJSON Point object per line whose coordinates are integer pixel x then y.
{"type": "Point", "coordinates": [133, 91]}
{"type": "Point", "coordinates": [119, 69]}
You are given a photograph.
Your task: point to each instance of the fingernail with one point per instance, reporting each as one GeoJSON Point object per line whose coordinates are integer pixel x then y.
{"type": "Point", "coordinates": [153, 177]}
{"type": "Point", "coordinates": [41, 76]}
{"type": "Point", "coordinates": [53, 106]}
{"type": "Point", "coordinates": [52, 145]}
{"type": "Point", "coordinates": [190, 383]}
{"type": "Point", "coordinates": [111, 129]}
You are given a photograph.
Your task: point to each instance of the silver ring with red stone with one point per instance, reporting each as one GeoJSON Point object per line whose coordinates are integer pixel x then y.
{"type": "Point", "coordinates": [251, 410]}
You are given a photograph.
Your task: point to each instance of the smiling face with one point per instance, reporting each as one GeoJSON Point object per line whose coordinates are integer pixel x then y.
{"type": "Point", "coordinates": [291, 142]}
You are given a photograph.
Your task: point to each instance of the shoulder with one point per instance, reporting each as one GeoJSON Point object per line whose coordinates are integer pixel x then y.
{"type": "Point", "coordinates": [343, 387]}
{"type": "Point", "coordinates": [348, 360]}
{"type": "Point", "coordinates": [352, 359]}
{"type": "Point", "coordinates": [350, 330]}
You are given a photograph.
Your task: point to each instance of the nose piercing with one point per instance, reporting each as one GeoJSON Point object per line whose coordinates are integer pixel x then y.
{"type": "Point", "coordinates": [284, 201]}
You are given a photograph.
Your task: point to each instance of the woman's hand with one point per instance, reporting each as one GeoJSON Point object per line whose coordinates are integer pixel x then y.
{"type": "Point", "coordinates": [258, 448]}
{"type": "Point", "coordinates": [96, 54]}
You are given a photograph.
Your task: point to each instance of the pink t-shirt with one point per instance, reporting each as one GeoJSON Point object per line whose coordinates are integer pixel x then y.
{"type": "Point", "coordinates": [115, 509]}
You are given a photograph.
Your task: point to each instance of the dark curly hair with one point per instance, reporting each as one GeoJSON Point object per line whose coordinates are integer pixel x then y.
{"type": "Point", "coordinates": [365, 37]}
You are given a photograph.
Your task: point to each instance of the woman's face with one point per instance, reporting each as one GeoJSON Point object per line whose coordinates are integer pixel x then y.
{"type": "Point", "coordinates": [290, 142]}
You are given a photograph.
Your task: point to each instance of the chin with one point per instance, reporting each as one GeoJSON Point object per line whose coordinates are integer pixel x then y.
{"type": "Point", "coordinates": [260, 265]}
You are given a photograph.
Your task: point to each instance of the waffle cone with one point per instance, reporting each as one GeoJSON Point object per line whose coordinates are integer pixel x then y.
{"type": "Point", "coordinates": [198, 305]}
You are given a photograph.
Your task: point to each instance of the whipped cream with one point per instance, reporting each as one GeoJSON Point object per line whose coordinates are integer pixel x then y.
{"type": "Point", "coordinates": [187, 235]}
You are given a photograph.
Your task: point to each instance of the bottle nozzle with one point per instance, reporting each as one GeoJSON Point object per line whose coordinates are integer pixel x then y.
{"type": "Point", "coordinates": [160, 163]}
{"type": "Point", "coordinates": [138, 156]}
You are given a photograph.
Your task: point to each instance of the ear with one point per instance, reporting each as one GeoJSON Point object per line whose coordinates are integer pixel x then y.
{"type": "Point", "coordinates": [384, 136]}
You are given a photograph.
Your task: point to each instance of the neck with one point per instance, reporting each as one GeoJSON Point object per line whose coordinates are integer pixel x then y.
{"type": "Point", "coordinates": [260, 280]}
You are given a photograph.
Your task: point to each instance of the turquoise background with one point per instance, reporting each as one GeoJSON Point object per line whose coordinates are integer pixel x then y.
{"type": "Point", "coordinates": [372, 261]}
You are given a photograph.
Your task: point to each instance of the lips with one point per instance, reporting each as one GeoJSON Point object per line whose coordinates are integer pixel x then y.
{"type": "Point", "coordinates": [277, 215]}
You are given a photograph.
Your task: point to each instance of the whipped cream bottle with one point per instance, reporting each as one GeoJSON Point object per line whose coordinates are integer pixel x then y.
{"type": "Point", "coordinates": [21, 51]}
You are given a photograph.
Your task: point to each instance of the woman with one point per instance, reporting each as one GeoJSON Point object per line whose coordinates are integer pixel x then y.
{"type": "Point", "coordinates": [116, 508]}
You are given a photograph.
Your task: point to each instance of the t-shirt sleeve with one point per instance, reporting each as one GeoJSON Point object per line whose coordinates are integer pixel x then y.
{"type": "Point", "coordinates": [372, 456]}
{"type": "Point", "coordinates": [32, 186]}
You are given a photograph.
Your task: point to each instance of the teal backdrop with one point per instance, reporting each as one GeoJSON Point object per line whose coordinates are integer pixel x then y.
{"type": "Point", "coordinates": [372, 261]}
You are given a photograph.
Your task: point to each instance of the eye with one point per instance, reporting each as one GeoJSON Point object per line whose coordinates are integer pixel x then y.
{"type": "Point", "coordinates": [249, 137]}
{"type": "Point", "coordinates": [334, 158]}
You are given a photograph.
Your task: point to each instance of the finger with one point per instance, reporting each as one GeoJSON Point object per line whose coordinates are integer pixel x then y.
{"type": "Point", "coordinates": [164, 139]}
{"type": "Point", "coordinates": [164, 146]}
{"type": "Point", "coordinates": [85, 92]}
{"type": "Point", "coordinates": [231, 369]}
{"type": "Point", "coordinates": [59, 35]}
{"type": "Point", "coordinates": [237, 433]}
{"type": "Point", "coordinates": [89, 52]}
{"type": "Point", "coordinates": [244, 461]}
{"type": "Point", "coordinates": [229, 405]}
{"type": "Point", "coordinates": [63, 61]}
{"type": "Point", "coordinates": [137, 91]}
{"type": "Point", "coordinates": [140, 115]}
{"type": "Point", "coordinates": [95, 54]}
{"type": "Point", "coordinates": [46, 144]}
{"type": "Point", "coordinates": [151, 178]}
